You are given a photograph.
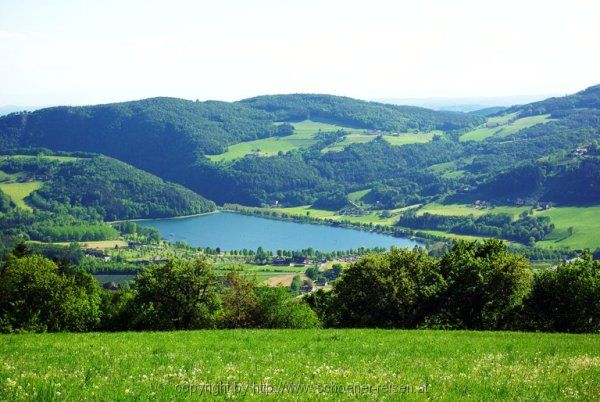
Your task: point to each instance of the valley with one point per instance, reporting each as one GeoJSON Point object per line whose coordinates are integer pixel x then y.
{"type": "Point", "coordinates": [282, 200]}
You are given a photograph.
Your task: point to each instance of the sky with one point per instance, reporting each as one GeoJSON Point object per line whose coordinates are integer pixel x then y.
{"type": "Point", "coordinates": [86, 52]}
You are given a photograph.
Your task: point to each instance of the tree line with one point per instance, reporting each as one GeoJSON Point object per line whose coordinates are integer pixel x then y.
{"type": "Point", "coordinates": [475, 286]}
{"type": "Point", "coordinates": [526, 229]}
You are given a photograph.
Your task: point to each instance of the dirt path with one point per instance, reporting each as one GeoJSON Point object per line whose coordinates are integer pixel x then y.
{"type": "Point", "coordinates": [282, 280]}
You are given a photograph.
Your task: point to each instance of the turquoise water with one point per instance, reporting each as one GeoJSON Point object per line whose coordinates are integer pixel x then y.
{"type": "Point", "coordinates": [231, 231]}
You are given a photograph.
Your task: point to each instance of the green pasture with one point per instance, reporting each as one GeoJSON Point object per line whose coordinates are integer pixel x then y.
{"type": "Point", "coordinates": [585, 224]}
{"type": "Point", "coordinates": [313, 127]}
{"type": "Point", "coordinates": [61, 159]}
{"type": "Point", "coordinates": [300, 365]}
{"type": "Point", "coordinates": [270, 146]}
{"type": "Point", "coordinates": [304, 136]}
{"type": "Point", "coordinates": [464, 210]}
{"type": "Point", "coordinates": [394, 139]}
{"type": "Point", "coordinates": [19, 191]}
{"type": "Point", "coordinates": [507, 127]}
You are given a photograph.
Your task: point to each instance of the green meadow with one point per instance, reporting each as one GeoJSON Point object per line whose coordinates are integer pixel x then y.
{"type": "Point", "coordinates": [304, 136]}
{"type": "Point", "coordinates": [575, 227]}
{"type": "Point", "coordinates": [265, 147]}
{"type": "Point", "coordinates": [304, 133]}
{"type": "Point", "coordinates": [411, 138]}
{"type": "Point", "coordinates": [300, 365]}
{"type": "Point", "coordinates": [464, 210]}
{"type": "Point", "coordinates": [506, 127]}
{"type": "Point", "coordinates": [313, 127]}
{"type": "Point", "coordinates": [370, 217]}
{"type": "Point", "coordinates": [394, 139]}
{"type": "Point", "coordinates": [19, 191]}
{"type": "Point", "coordinates": [349, 140]}
{"type": "Point", "coordinates": [60, 159]}
{"type": "Point", "coordinates": [584, 222]}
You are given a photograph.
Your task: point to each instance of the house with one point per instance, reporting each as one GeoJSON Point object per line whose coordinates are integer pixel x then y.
{"type": "Point", "coordinates": [492, 125]}
{"type": "Point", "coordinates": [280, 261]}
{"type": "Point", "coordinates": [579, 152]}
{"type": "Point", "coordinates": [306, 288]}
{"type": "Point", "coordinates": [96, 252]}
{"type": "Point", "coordinates": [321, 282]}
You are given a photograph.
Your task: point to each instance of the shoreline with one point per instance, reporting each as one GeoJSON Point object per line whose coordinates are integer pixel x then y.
{"type": "Point", "coordinates": [160, 219]}
{"type": "Point", "coordinates": [343, 224]}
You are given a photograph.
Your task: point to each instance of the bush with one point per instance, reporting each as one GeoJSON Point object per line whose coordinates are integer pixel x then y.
{"type": "Point", "coordinates": [277, 309]}
{"type": "Point", "coordinates": [386, 290]}
{"type": "Point", "coordinates": [181, 294]}
{"type": "Point", "coordinates": [484, 286]}
{"type": "Point", "coordinates": [36, 296]}
{"type": "Point", "coordinates": [566, 299]}
{"type": "Point", "coordinates": [473, 286]}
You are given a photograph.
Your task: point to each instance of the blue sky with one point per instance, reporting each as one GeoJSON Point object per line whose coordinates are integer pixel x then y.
{"type": "Point", "coordinates": [78, 52]}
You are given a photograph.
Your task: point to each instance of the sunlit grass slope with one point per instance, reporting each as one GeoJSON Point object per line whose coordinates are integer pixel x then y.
{"type": "Point", "coordinates": [300, 365]}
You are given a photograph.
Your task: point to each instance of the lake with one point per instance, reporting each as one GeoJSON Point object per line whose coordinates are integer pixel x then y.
{"type": "Point", "coordinates": [231, 231]}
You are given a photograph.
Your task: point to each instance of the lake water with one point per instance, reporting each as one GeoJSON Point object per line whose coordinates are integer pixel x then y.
{"type": "Point", "coordinates": [231, 231]}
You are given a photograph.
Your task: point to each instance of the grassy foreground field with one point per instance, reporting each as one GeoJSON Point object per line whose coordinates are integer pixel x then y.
{"type": "Point", "coordinates": [300, 365]}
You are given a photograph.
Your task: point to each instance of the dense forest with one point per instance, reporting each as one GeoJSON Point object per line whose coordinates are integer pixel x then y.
{"type": "Point", "coordinates": [360, 114]}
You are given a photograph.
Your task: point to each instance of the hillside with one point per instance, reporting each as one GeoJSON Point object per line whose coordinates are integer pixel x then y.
{"type": "Point", "coordinates": [339, 145]}
{"type": "Point", "coordinates": [111, 188]}
{"type": "Point", "coordinates": [359, 114]}
{"type": "Point", "coordinates": [65, 198]}
{"type": "Point", "coordinates": [168, 137]}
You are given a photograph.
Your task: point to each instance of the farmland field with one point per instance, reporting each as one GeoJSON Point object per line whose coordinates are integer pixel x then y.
{"type": "Point", "coordinates": [396, 139]}
{"type": "Point", "coordinates": [411, 138]}
{"type": "Point", "coordinates": [60, 159]}
{"type": "Point", "coordinates": [585, 222]}
{"type": "Point", "coordinates": [300, 365]}
{"type": "Point", "coordinates": [313, 127]}
{"type": "Point", "coordinates": [304, 133]}
{"type": "Point", "coordinates": [505, 128]}
{"type": "Point", "coordinates": [371, 217]}
{"type": "Point", "coordinates": [98, 244]}
{"type": "Point", "coordinates": [265, 147]}
{"type": "Point", "coordinates": [19, 191]}
{"type": "Point", "coordinates": [464, 210]}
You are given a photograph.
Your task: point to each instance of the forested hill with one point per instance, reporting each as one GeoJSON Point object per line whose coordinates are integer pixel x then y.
{"type": "Point", "coordinates": [364, 146]}
{"type": "Point", "coordinates": [589, 98]}
{"type": "Point", "coordinates": [157, 128]}
{"type": "Point", "coordinates": [360, 114]}
{"type": "Point", "coordinates": [101, 186]}
{"type": "Point", "coordinates": [139, 131]}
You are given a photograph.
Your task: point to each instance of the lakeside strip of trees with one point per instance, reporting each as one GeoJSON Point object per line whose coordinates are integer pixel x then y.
{"type": "Point", "coordinates": [474, 286]}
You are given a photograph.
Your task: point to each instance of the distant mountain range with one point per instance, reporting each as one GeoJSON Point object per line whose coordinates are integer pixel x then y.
{"type": "Point", "coordinates": [466, 104]}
